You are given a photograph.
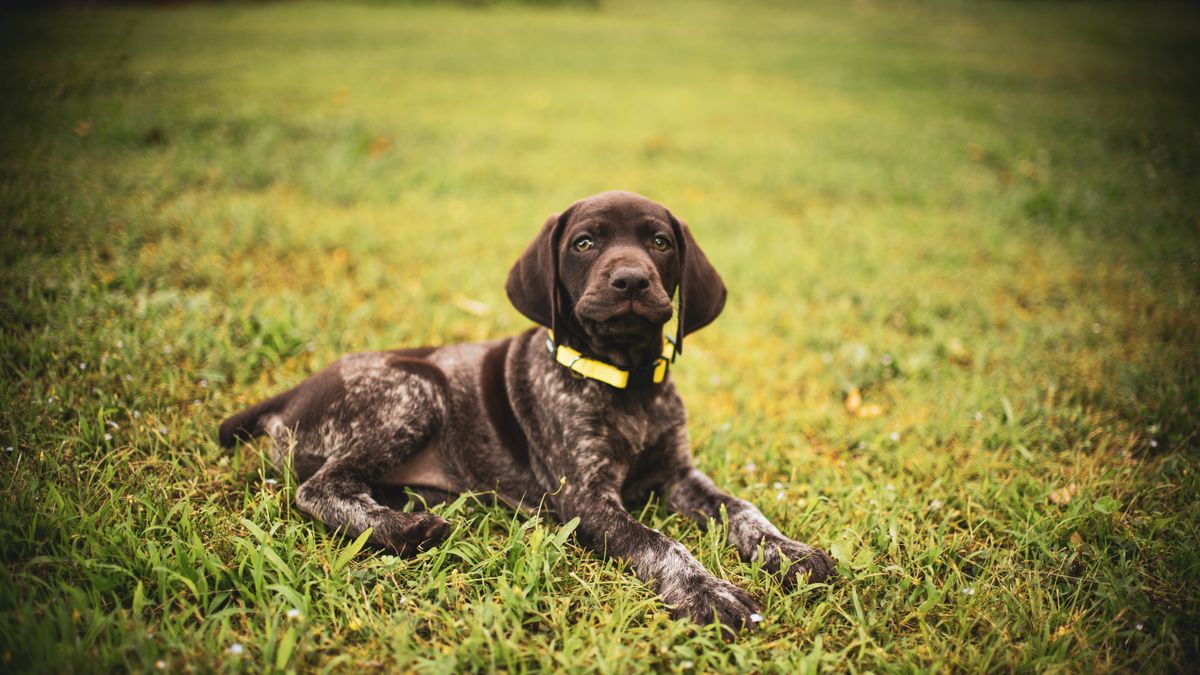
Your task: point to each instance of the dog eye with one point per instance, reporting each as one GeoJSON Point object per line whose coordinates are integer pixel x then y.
{"type": "Point", "coordinates": [661, 243]}
{"type": "Point", "coordinates": [584, 243]}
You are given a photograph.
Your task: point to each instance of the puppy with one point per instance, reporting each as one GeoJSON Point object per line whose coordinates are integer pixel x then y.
{"type": "Point", "coordinates": [578, 414]}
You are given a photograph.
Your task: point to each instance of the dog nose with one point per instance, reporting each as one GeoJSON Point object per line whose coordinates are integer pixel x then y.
{"type": "Point", "coordinates": [629, 280]}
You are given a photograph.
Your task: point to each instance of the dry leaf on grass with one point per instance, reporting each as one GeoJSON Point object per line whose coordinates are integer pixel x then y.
{"type": "Point", "coordinates": [854, 405]}
{"type": "Point", "coordinates": [471, 306]}
{"type": "Point", "coordinates": [379, 145]}
{"type": "Point", "coordinates": [1063, 495]}
{"type": "Point", "coordinates": [853, 400]}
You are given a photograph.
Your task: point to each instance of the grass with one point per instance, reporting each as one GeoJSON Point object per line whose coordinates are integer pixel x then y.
{"type": "Point", "coordinates": [962, 345]}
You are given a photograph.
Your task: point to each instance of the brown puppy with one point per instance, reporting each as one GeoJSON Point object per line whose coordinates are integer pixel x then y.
{"type": "Point", "coordinates": [579, 422]}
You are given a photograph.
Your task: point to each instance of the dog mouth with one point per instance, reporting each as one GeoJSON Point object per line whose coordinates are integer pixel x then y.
{"type": "Point", "coordinates": [629, 323]}
{"type": "Point", "coordinates": [624, 315]}
{"type": "Point", "coordinates": [628, 329]}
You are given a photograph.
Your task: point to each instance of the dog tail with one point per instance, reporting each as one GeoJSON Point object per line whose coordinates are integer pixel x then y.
{"type": "Point", "coordinates": [247, 424]}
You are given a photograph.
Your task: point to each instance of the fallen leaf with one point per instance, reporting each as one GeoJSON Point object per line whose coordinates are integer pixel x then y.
{"type": "Point", "coordinates": [958, 352]}
{"type": "Point", "coordinates": [1076, 541]}
{"type": "Point", "coordinates": [655, 145]}
{"type": "Point", "coordinates": [471, 306]}
{"type": "Point", "coordinates": [853, 400]}
{"type": "Point", "coordinates": [870, 410]}
{"type": "Point", "coordinates": [379, 145]}
{"type": "Point", "coordinates": [1063, 495]}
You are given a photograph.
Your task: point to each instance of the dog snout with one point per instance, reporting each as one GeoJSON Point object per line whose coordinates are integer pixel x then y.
{"type": "Point", "coordinates": [630, 281]}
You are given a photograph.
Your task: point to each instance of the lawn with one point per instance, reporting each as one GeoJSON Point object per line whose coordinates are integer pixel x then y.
{"type": "Point", "coordinates": [961, 349]}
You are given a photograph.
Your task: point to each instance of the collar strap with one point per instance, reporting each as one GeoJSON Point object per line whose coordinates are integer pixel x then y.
{"type": "Point", "coordinates": [593, 369]}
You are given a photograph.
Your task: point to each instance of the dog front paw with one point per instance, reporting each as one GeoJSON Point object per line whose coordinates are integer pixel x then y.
{"type": "Point", "coordinates": [705, 599]}
{"type": "Point", "coordinates": [407, 533]}
{"type": "Point", "coordinates": [797, 564]}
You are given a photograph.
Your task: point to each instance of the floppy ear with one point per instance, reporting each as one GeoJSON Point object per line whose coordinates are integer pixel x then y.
{"type": "Point", "coordinates": [701, 291]}
{"type": "Point", "coordinates": [532, 284]}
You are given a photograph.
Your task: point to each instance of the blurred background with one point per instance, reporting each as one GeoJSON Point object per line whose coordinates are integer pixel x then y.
{"type": "Point", "coordinates": [961, 345]}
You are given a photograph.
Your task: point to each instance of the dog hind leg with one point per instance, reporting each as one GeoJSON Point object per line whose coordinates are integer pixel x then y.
{"type": "Point", "coordinates": [341, 499]}
{"type": "Point", "coordinates": [385, 410]}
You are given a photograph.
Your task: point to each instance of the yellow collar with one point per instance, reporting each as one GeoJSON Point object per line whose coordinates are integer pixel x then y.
{"type": "Point", "coordinates": [582, 366]}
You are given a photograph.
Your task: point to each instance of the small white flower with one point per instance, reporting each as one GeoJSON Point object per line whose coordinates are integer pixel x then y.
{"type": "Point", "coordinates": [686, 664]}
{"type": "Point", "coordinates": [9, 449]}
{"type": "Point", "coordinates": [120, 344]}
{"type": "Point", "coordinates": [750, 466]}
{"type": "Point", "coordinates": [129, 378]}
{"type": "Point", "coordinates": [779, 497]}
{"type": "Point", "coordinates": [1153, 443]}
{"type": "Point", "coordinates": [968, 590]}
{"type": "Point", "coordinates": [162, 429]}
{"type": "Point", "coordinates": [978, 415]}
{"type": "Point", "coordinates": [895, 436]}
{"type": "Point", "coordinates": [756, 617]}
{"type": "Point", "coordinates": [108, 437]}
{"type": "Point", "coordinates": [777, 485]}
{"type": "Point", "coordinates": [137, 414]}
{"type": "Point", "coordinates": [160, 664]}
{"type": "Point", "coordinates": [203, 383]}
{"type": "Point", "coordinates": [271, 481]}
{"type": "Point", "coordinates": [890, 488]}
{"type": "Point", "coordinates": [294, 614]}
{"type": "Point", "coordinates": [403, 599]}
{"type": "Point", "coordinates": [52, 399]}
{"type": "Point", "coordinates": [83, 366]}
{"type": "Point", "coordinates": [113, 425]}
{"type": "Point", "coordinates": [1139, 626]}
{"type": "Point", "coordinates": [1095, 328]}
{"type": "Point", "coordinates": [935, 505]}
{"type": "Point", "coordinates": [873, 502]}
{"type": "Point", "coordinates": [235, 649]}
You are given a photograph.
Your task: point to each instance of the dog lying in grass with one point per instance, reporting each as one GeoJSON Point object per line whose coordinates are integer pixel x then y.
{"type": "Point", "coordinates": [578, 414]}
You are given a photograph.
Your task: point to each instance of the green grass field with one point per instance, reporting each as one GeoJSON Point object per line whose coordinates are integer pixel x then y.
{"type": "Point", "coordinates": [961, 350]}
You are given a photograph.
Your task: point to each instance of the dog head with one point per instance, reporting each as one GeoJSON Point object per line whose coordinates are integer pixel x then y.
{"type": "Point", "coordinates": [604, 272]}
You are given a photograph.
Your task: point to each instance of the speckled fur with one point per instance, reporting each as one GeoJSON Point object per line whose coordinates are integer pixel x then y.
{"type": "Point", "coordinates": [502, 417]}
